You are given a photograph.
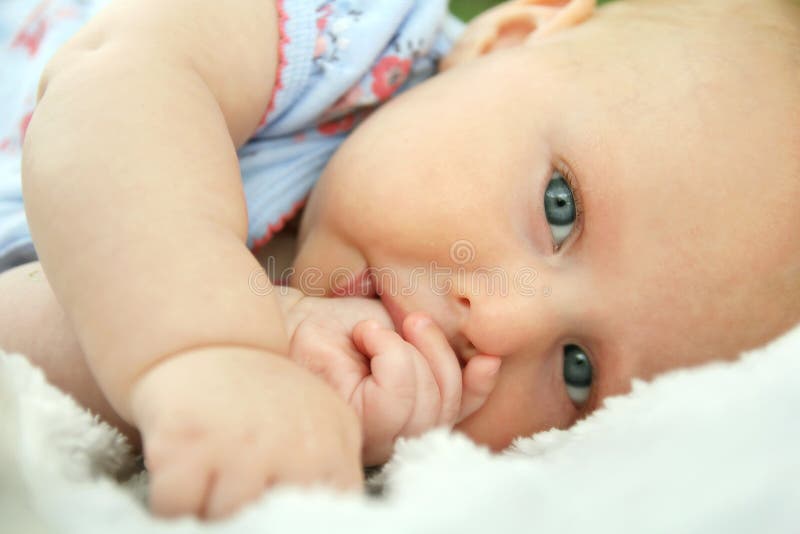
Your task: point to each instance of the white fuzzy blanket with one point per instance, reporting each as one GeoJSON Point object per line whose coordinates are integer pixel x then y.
{"type": "Point", "coordinates": [710, 450]}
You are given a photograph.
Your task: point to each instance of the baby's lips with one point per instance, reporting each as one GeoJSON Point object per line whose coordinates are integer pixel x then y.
{"type": "Point", "coordinates": [359, 284]}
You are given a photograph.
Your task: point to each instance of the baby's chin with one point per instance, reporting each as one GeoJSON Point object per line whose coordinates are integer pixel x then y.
{"type": "Point", "coordinates": [491, 437]}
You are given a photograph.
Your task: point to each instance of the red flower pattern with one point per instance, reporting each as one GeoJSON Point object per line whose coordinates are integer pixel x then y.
{"type": "Point", "coordinates": [34, 30]}
{"type": "Point", "coordinates": [23, 125]}
{"type": "Point", "coordinates": [337, 126]}
{"type": "Point", "coordinates": [388, 75]}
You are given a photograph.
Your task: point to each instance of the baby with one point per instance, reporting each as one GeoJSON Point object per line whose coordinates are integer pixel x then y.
{"type": "Point", "coordinates": [586, 198]}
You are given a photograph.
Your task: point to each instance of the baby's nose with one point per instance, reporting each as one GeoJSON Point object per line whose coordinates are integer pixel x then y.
{"type": "Point", "coordinates": [504, 324]}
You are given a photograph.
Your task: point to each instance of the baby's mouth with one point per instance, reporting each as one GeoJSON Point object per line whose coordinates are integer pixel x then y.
{"type": "Point", "coordinates": [372, 287]}
{"type": "Point", "coordinates": [393, 308]}
{"type": "Point", "coordinates": [362, 284]}
{"type": "Point", "coordinates": [463, 348]}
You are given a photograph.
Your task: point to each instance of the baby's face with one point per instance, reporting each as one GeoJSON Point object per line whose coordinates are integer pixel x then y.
{"type": "Point", "coordinates": [592, 208]}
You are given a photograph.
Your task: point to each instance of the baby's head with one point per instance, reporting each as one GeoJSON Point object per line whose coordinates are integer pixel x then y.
{"type": "Point", "coordinates": [594, 197]}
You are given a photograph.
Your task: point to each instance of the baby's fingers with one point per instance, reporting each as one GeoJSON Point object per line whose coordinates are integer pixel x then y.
{"type": "Point", "coordinates": [479, 378]}
{"type": "Point", "coordinates": [371, 339]}
{"type": "Point", "coordinates": [179, 488]}
{"type": "Point", "coordinates": [237, 484]}
{"type": "Point", "coordinates": [385, 399]}
{"type": "Point", "coordinates": [431, 342]}
{"type": "Point", "coordinates": [390, 366]}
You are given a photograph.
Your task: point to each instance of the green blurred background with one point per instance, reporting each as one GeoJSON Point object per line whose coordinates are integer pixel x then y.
{"type": "Point", "coordinates": [466, 9]}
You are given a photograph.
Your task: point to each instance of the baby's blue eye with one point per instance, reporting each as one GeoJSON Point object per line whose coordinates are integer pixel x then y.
{"type": "Point", "coordinates": [577, 374]}
{"type": "Point", "coordinates": [559, 208]}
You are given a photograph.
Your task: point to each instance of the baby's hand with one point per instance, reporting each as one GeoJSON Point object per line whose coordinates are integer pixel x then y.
{"type": "Point", "coordinates": [399, 387]}
{"type": "Point", "coordinates": [222, 424]}
{"type": "Point", "coordinates": [414, 384]}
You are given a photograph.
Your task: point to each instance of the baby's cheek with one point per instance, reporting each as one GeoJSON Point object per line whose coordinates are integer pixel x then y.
{"type": "Point", "coordinates": [523, 403]}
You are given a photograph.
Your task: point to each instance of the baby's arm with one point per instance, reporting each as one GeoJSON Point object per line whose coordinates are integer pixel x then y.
{"type": "Point", "coordinates": [132, 186]}
{"type": "Point", "coordinates": [135, 202]}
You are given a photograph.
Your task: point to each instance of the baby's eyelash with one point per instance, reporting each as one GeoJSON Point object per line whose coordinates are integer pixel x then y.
{"type": "Point", "coordinates": [569, 176]}
{"type": "Point", "coordinates": [577, 198]}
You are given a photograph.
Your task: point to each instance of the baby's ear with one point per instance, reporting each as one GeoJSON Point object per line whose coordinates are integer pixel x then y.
{"type": "Point", "coordinates": [516, 23]}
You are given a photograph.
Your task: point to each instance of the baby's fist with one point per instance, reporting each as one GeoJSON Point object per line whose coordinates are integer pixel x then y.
{"type": "Point", "coordinates": [415, 383]}
{"type": "Point", "coordinates": [222, 424]}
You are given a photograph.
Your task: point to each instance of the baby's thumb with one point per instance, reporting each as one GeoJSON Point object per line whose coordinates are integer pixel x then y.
{"type": "Point", "coordinates": [478, 378]}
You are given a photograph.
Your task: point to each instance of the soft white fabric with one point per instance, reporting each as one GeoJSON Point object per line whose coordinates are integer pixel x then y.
{"type": "Point", "coordinates": [708, 450]}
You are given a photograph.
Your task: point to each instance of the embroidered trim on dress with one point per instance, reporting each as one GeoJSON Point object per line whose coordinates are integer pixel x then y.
{"type": "Point", "coordinates": [276, 227]}
{"type": "Point", "coordinates": [283, 40]}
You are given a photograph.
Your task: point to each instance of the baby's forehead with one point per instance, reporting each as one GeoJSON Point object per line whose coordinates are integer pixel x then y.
{"type": "Point", "coordinates": [701, 271]}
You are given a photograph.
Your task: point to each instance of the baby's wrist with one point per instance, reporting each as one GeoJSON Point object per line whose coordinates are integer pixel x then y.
{"type": "Point", "coordinates": [174, 377]}
{"type": "Point", "coordinates": [287, 298]}
{"type": "Point", "coordinates": [295, 308]}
